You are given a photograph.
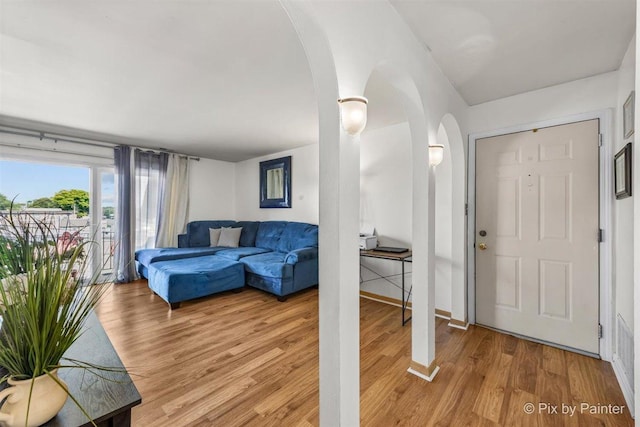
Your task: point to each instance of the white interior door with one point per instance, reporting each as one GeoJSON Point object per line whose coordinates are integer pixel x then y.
{"type": "Point", "coordinates": [536, 242]}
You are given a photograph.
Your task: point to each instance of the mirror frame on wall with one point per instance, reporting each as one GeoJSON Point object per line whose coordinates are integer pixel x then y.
{"type": "Point", "coordinates": [275, 193]}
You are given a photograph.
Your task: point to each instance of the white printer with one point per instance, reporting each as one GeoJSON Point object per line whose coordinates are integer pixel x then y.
{"type": "Point", "coordinates": [368, 240]}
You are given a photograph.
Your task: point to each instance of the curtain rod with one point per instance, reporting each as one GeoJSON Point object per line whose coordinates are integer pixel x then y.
{"type": "Point", "coordinates": [50, 150]}
{"type": "Point", "coordinates": [82, 141]}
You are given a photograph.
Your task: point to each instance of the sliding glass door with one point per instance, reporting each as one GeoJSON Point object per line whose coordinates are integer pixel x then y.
{"type": "Point", "coordinates": [78, 200]}
{"type": "Point", "coordinates": [103, 219]}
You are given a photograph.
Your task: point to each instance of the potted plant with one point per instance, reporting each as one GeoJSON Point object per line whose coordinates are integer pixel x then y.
{"type": "Point", "coordinates": [44, 302]}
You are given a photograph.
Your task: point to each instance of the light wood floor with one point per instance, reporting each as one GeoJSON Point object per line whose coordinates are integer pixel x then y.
{"type": "Point", "coordinates": [247, 359]}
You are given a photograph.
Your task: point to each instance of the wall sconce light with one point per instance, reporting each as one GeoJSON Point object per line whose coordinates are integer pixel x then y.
{"type": "Point", "coordinates": [353, 114]}
{"type": "Point", "coordinates": [436, 154]}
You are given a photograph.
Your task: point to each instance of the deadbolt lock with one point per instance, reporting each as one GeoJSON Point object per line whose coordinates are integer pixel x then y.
{"type": "Point", "coordinates": [482, 246]}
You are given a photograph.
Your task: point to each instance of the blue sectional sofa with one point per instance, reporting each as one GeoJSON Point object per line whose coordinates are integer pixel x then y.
{"type": "Point", "coordinates": [279, 257]}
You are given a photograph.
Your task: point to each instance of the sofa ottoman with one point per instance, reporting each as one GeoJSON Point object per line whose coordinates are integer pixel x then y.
{"type": "Point", "coordinates": [184, 279]}
{"type": "Point", "coordinates": [145, 257]}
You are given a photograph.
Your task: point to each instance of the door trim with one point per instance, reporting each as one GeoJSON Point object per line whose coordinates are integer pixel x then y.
{"type": "Point", "coordinates": [605, 216]}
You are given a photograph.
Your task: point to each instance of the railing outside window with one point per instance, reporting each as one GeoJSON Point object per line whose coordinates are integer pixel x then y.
{"type": "Point", "coordinates": [68, 232]}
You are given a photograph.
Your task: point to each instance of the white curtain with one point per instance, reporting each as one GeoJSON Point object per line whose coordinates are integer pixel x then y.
{"type": "Point", "coordinates": [174, 202]}
{"type": "Point", "coordinates": [149, 171]}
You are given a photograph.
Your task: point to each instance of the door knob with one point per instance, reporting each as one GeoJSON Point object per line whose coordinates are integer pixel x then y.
{"type": "Point", "coordinates": [482, 246]}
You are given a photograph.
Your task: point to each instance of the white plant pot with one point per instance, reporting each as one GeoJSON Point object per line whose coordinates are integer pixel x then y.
{"type": "Point", "coordinates": [47, 398]}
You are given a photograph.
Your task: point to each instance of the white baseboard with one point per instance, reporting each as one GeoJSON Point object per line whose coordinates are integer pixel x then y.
{"type": "Point", "coordinates": [423, 376]}
{"type": "Point", "coordinates": [627, 390]}
{"type": "Point", "coordinates": [453, 325]}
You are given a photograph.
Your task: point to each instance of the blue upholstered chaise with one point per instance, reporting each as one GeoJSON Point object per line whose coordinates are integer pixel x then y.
{"type": "Point", "coordinates": [279, 257]}
{"type": "Point", "coordinates": [145, 257]}
{"type": "Point", "coordinates": [188, 278]}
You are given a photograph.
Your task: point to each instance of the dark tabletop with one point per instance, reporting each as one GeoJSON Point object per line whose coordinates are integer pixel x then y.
{"type": "Point", "coordinates": [396, 256]}
{"type": "Point", "coordinates": [101, 398]}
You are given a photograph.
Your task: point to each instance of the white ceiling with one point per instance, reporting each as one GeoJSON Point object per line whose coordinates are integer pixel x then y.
{"type": "Point", "coordinates": [229, 79]}
{"type": "Point", "coordinates": [223, 79]}
{"type": "Point", "coordinates": [490, 49]}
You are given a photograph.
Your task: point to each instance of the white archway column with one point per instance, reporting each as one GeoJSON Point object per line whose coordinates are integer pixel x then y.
{"type": "Point", "coordinates": [423, 327]}
{"type": "Point", "coordinates": [636, 236]}
{"type": "Point", "coordinates": [458, 178]}
{"type": "Point", "coordinates": [344, 44]}
{"type": "Point", "coordinates": [339, 282]}
{"type": "Point", "coordinates": [339, 263]}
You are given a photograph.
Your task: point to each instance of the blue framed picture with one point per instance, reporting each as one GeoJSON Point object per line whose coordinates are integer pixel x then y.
{"type": "Point", "coordinates": [275, 183]}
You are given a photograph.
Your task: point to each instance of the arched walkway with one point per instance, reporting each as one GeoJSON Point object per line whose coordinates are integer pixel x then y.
{"type": "Point", "coordinates": [450, 214]}
{"type": "Point", "coordinates": [422, 226]}
{"type": "Point", "coordinates": [342, 54]}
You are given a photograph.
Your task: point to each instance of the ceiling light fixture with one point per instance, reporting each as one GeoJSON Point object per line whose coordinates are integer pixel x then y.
{"type": "Point", "coordinates": [353, 114]}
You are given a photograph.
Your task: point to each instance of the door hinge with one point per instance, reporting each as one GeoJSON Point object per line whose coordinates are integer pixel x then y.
{"type": "Point", "coordinates": [466, 209]}
{"type": "Point", "coordinates": [599, 140]}
{"type": "Point", "coordinates": [600, 235]}
{"type": "Point", "coordinates": [599, 331]}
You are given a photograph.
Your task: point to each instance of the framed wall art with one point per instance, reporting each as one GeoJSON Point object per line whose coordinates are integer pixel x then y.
{"type": "Point", "coordinates": [629, 114]}
{"type": "Point", "coordinates": [622, 170]}
{"type": "Point", "coordinates": [275, 183]}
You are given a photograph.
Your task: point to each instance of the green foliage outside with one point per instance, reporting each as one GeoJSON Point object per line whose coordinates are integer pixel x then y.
{"type": "Point", "coordinates": [5, 203]}
{"type": "Point", "coordinates": [68, 200]}
{"type": "Point", "coordinates": [43, 202]}
{"type": "Point", "coordinates": [108, 212]}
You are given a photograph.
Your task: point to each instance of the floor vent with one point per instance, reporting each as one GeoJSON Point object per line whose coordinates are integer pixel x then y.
{"type": "Point", "coordinates": [625, 349]}
{"type": "Point", "coordinates": [622, 362]}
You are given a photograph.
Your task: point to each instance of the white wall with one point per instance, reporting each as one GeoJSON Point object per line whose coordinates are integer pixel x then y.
{"type": "Point", "coordinates": [385, 202]}
{"type": "Point", "coordinates": [444, 226]}
{"type": "Point", "coordinates": [304, 188]}
{"type": "Point", "coordinates": [212, 190]}
{"type": "Point", "coordinates": [636, 233]}
{"type": "Point", "coordinates": [580, 96]}
{"type": "Point", "coordinates": [623, 216]}
{"type": "Point", "coordinates": [624, 227]}
{"type": "Point", "coordinates": [385, 183]}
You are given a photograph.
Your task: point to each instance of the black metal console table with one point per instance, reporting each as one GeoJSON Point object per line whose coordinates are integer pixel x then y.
{"type": "Point", "coordinates": [402, 257]}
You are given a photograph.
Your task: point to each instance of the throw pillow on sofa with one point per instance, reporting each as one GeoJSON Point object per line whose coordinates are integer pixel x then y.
{"type": "Point", "coordinates": [214, 236]}
{"type": "Point", "coordinates": [230, 237]}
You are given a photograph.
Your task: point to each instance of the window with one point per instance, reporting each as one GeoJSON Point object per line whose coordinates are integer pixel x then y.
{"type": "Point", "coordinates": [69, 195]}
